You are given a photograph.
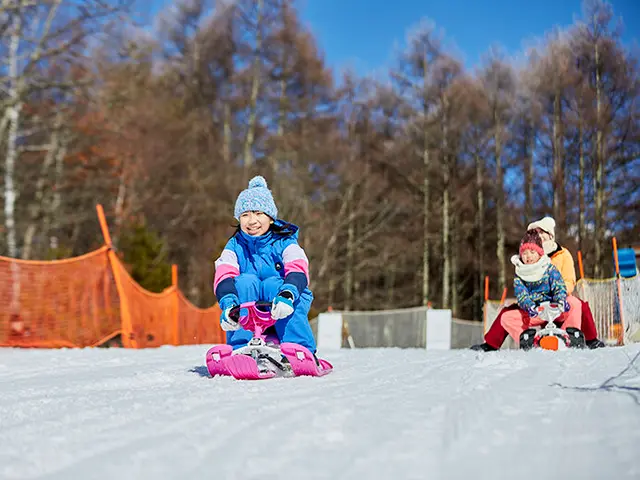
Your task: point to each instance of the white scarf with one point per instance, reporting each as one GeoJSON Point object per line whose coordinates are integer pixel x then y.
{"type": "Point", "coordinates": [549, 246]}
{"type": "Point", "coordinates": [532, 272]}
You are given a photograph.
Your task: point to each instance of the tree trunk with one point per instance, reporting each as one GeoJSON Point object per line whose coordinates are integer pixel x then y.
{"type": "Point", "coordinates": [502, 272]}
{"type": "Point", "coordinates": [345, 207]}
{"type": "Point", "coordinates": [599, 176]}
{"type": "Point", "coordinates": [255, 89]}
{"type": "Point", "coordinates": [527, 147]}
{"type": "Point", "coordinates": [13, 111]}
{"type": "Point", "coordinates": [389, 281]}
{"type": "Point", "coordinates": [559, 194]}
{"type": "Point", "coordinates": [479, 232]}
{"type": "Point", "coordinates": [331, 293]}
{"type": "Point", "coordinates": [425, 225]}
{"type": "Point", "coordinates": [282, 101]}
{"type": "Point", "coordinates": [37, 207]}
{"type": "Point", "coordinates": [120, 203]}
{"type": "Point", "coordinates": [4, 123]}
{"type": "Point", "coordinates": [51, 220]}
{"type": "Point", "coordinates": [581, 180]}
{"type": "Point", "coordinates": [426, 161]}
{"type": "Point", "coordinates": [349, 276]}
{"type": "Point", "coordinates": [446, 246]}
{"type": "Point", "coordinates": [454, 263]}
{"type": "Point", "coordinates": [226, 144]}
{"type": "Point", "coordinates": [276, 158]}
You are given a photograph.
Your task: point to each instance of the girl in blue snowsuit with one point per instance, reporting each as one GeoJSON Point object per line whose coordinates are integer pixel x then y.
{"type": "Point", "coordinates": [263, 262]}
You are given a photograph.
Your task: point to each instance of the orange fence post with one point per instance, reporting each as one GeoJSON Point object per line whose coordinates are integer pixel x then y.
{"type": "Point", "coordinates": [504, 296]}
{"type": "Point", "coordinates": [484, 307]}
{"type": "Point", "coordinates": [580, 265]}
{"type": "Point", "coordinates": [619, 334]}
{"type": "Point", "coordinates": [103, 225]}
{"type": "Point", "coordinates": [486, 287]}
{"type": "Point", "coordinates": [128, 341]}
{"type": "Point", "coordinates": [176, 305]}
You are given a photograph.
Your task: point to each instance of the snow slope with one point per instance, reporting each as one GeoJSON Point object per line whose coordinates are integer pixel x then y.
{"type": "Point", "coordinates": [382, 414]}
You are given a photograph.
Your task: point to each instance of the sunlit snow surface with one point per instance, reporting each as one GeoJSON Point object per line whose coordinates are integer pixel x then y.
{"type": "Point", "coordinates": [382, 414]}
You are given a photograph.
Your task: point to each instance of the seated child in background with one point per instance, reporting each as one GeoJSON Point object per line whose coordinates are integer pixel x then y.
{"type": "Point", "coordinates": [537, 280]}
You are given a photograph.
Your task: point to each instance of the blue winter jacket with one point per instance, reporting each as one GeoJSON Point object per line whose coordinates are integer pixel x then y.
{"type": "Point", "coordinates": [276, 253]}
{"type": "Point", "coordinates": [550, 288]}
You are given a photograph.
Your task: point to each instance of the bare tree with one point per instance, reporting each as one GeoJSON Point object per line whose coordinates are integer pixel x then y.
{"type": "Point", "coordinates": [609, 90]}
{"type": "Point", "coordinates": [526, 129]}
{"type": "Point", "coordinates": [40, 35]}
{"type": "Point", "coordinates": [446, 72]}
{"type": "Point", "coordinates": [499, 83]}
{"type": "Point", "coordinates": [415, 82]}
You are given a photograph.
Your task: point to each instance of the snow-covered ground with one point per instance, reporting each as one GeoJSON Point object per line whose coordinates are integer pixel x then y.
{"type": "Point", "coordinates": [382, 414]}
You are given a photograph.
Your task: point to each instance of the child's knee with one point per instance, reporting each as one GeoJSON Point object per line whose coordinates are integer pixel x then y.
{"type": "Point", "coordinates": [269, 288]}
{"type": "Point", "coordinates": [574, 303]}
{"type": "Point", "coordinates": [247, 278]}
{"type": "Point", "coordinates": [248, 287]}
{"type": "Point", "coordinates": [511, 317]}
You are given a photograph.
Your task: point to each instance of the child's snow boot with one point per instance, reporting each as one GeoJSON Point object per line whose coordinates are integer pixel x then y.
{"type": "Point", "coordinates": [526, 338]}
{"type": "Point", "coordinates": [483, 347]}
{"type": "Point", "coordinates": [595, 343]}
{"type": "Point", "coordinates": [576, 338]}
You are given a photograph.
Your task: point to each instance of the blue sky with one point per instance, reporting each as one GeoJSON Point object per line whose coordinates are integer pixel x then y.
{"type": "Point", "coordinates": [362, 34]}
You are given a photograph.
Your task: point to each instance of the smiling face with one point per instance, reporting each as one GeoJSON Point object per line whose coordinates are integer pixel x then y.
{"type": "Point", "coordinates": [529, 256]}
{"type": "Point", "coordinates": [255, 223]}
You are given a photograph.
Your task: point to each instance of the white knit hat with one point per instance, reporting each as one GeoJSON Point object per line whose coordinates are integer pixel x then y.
{"type": "Point", "coordinates": [547, 224]}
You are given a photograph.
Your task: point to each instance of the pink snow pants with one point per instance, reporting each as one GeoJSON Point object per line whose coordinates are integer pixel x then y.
{"type": "Point", "coordinates": [517, 321]}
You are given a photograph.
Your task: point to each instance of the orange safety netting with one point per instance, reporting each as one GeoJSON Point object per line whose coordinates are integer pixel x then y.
{"type": "Point", "coordinates": [196, 325]}
{"type": "Point", "coordinates": [87, 300]}
{"type": "Point", "coordinates": [163, 318]}
{"type": "Point", "coordinates": [63, 303]}
{"type": "Point", "coordinates": [149, 319]}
